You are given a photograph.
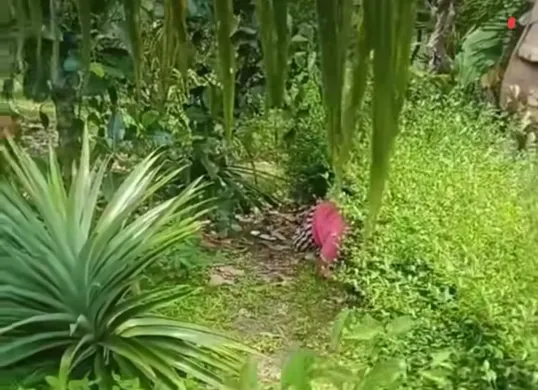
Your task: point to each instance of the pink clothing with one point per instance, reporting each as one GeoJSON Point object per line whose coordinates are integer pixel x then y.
{"type": "Point", "coordinates": [328, 228]}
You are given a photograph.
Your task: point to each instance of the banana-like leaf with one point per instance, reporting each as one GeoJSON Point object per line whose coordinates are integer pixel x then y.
{"type": "Point", "coordinates": [389, 28]}
{"type": "Point", "coordinates": [66, 270]}
{"type": "Point", "coordinates": [225, 20]}
{"type": "Point", "coordinates": [355, 86]}
{"type": "Point", "coordinates": [334, 19]}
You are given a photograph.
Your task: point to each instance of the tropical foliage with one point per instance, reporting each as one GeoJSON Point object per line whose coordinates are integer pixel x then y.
{"type": "Point", "coordinates": [488, 44]}
{"type": "Point", "coordinates": [180, 121]}
{"type": "Point", "coordinates": [385, 30]}
{"type": "Point", "coordinates": [68, 263]}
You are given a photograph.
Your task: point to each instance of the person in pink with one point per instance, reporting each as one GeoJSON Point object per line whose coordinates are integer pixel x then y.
{"type": "Point", "coordinates": [323, 229]}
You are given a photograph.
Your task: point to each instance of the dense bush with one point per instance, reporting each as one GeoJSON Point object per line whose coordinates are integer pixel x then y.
{"type": "Point", "coordinates": [455, 249]}
{"type": "Point", "coordinates": [306, 161]}
{"type": "Point", "coordinates": [294, 139]}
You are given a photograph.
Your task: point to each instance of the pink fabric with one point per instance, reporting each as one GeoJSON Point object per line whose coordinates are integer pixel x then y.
{"type": "Point", "coordinates": [328, 228]}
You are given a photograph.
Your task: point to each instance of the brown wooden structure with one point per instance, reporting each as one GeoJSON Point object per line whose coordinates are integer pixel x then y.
{"type": "Point", "coordinates": [519, 89]}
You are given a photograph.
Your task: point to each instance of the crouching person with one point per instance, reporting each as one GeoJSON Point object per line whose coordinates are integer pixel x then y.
{"type": "Point", "coordinates": [323, 230]}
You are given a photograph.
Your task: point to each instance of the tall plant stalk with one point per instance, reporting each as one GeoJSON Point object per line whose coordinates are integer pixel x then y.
{"type": "Point", "coordinates": [385, 32]}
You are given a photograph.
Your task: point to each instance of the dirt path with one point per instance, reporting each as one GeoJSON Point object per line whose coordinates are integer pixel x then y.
{"type": "Point", "coordinates": [264, 292]}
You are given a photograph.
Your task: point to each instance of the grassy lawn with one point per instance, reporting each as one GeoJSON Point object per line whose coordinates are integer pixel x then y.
{"type": "Point", "coordinates": [270, 299]}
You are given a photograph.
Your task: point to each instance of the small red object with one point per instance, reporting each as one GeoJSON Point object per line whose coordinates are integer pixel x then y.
{"type": "Point", "coordinates": [512, 22]}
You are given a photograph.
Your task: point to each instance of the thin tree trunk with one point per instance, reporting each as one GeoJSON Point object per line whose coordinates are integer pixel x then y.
{"type": "Point", "coordinates": [64, 96]}
{"type": "Point", "coordinates": [6, 53]}
{"type": "Point", "coordinates": [9, 123]}
{"type": "Point", "coordinates": [445, 13]}
{"type": "Point", "coordinates": [68, 126]}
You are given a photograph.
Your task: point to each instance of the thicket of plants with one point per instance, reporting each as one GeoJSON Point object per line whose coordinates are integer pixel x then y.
{"type": "Point", "coordinates": [455, 250]}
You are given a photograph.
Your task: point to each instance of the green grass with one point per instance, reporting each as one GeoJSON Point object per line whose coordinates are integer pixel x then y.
{"type": "Point", "coordinates": [274, 315]}
{"type": "Point", "coordinates": [455, 249]}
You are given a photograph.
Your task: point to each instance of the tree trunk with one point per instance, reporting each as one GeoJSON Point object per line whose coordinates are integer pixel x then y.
{"type": "Point", "coordinates": [6, 53]}
{"type": "Point", "coordinates": [68, 125]}
{"type": "Point", "coordinates": [445, 13]}
{"type": "Point", "coordinates": [64, 96]}
{"type": "Point", "coordinates": [8, 121]}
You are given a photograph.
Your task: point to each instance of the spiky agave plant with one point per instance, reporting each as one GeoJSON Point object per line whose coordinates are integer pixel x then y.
{"type": "Point", "coordinates": [66, 270]}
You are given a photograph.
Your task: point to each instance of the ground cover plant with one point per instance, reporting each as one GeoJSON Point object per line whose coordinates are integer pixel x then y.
{"type": "Point", "coordinates": [456, 249]}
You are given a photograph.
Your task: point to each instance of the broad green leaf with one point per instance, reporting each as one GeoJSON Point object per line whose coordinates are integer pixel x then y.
{"type": "Point", "coordinates": [298, 371]}
{"type": "Point", "coordinates": [354, 89]}
{"type": "Point", "coordinates": [440, 376]}
{"type": "Point", "coordinates": [440, 357]}
{"type": "Point", "coordinates": [149, 118]}
{"type": "Point", "coordinates": [338, 327]}
{"type": "Point", "coordinates": [36, 18]}
{"type": "Point", "coordinates": [383, 375]}
{"type": "Point", "coordinates": [179, 23]}
{"type": "Point", "coordinates": [248, 378]}
{"type": "Point", "coordinates": [366, 330]}
{"type": "Point", "coordinates": [334, 20]}
{"type": "Point", "coordinates": [20, 14]}
{"type": "Point", "coordinates": [389, 29]}
{"type": "Point", "coordinates": [97, 69]}
{"type": "Point", "coordinates": [272, 18]}
{"type": "Point", "coordinates": [264, 15]}
{"type": "Point", "coordinates": [400, 325]}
